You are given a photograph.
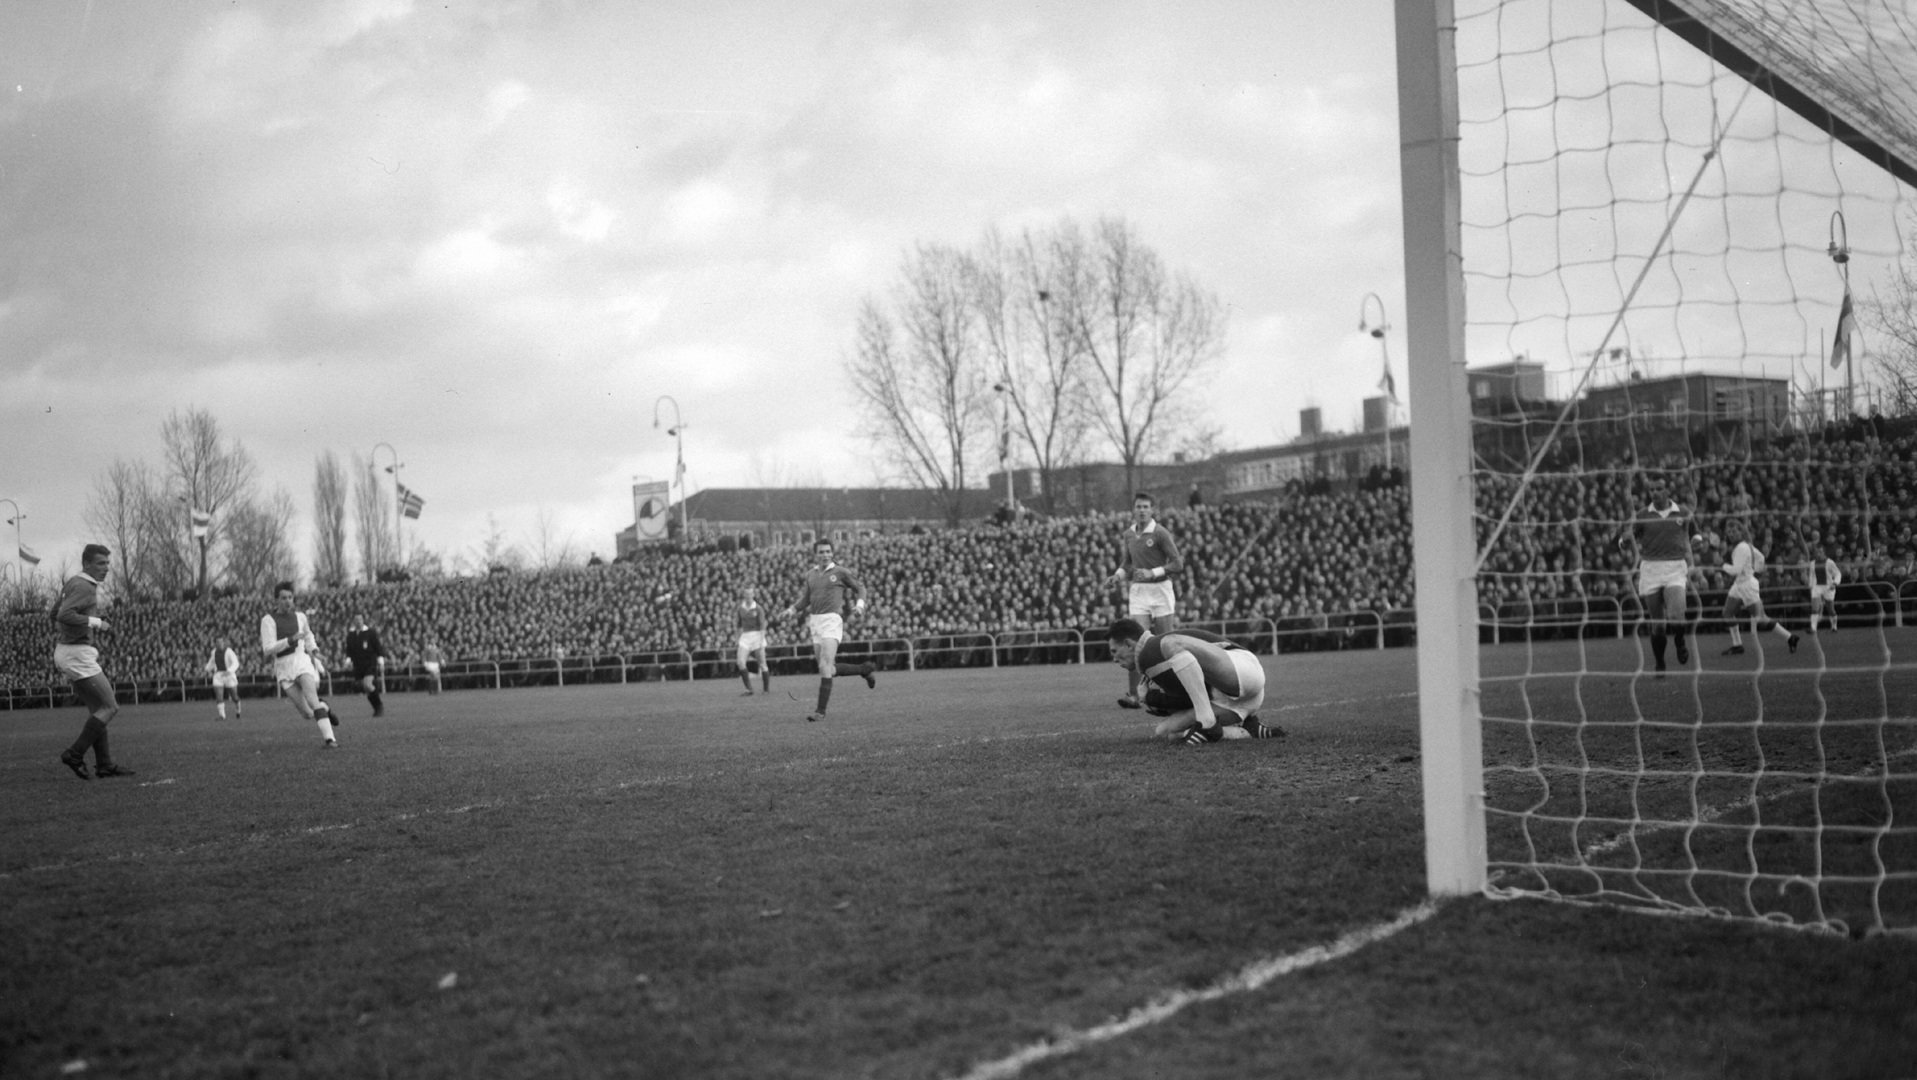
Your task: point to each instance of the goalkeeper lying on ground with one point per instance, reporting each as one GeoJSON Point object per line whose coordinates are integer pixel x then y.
{"type": "Point", "coordinates": [1205, 686]}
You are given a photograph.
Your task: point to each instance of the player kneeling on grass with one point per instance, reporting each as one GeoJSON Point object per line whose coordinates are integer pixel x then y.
{"type": "Point", "coordinates": [287, 639]}
{"type": "Point", "coordinates": [1205, 686]}
{"type": "Point", "coordinates": [1744, 601]}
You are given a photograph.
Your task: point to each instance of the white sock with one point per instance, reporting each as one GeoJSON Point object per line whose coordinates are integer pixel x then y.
{"type": "Point", "coordinates": [221, 708]}
{"type": "Point", "coordinates": [325, 721]}
{"type": "Point", "coordinates": [1779, 630]}
{"type": "Point", "coordinates": [1737, 638]}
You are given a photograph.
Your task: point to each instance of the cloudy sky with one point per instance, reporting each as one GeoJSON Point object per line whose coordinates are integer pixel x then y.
{"type": "Point", "coordinates": [494, 233]}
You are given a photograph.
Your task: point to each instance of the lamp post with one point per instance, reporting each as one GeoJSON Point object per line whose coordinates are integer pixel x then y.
{"type": "Point", "coordinates": [679, 462]}
{"type": "Point", "coordinates": [399, 510]}
{"type": "Point", "coordinates": [1004, 392]}
{"type": "Point", "coordinates": [1377, 330]}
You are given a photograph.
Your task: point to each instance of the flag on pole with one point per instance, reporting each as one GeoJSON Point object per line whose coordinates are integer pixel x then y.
{"type": "Point", "coordinates": [410, 503]}
{"type": "Point", "coordinates": [202, 523]}
{"type": "Point", "coordinates": [28, 557]}
{"type": "Point", "coordinates": [1846, 328]}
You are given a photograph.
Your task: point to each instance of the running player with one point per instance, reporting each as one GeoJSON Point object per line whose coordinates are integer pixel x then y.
{"type": "Point", "coordinates": [827, 586]}
{"type": "Point", "coordinates": [287, 639]}
{"type": "Point", "coordinates": [76, 657]}
{"type": "Point", "coordinates": [224, 664]}
{"type": "Point", "coordinates": [752, 640]}
{"type": "Point", "coordinates": [1744, 600]}
{"type": "Point", "coordinates": [1206, 686]}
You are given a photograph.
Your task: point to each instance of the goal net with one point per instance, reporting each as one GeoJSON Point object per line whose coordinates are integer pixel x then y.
{"type": "Point", "coordinates": [1677, 225]}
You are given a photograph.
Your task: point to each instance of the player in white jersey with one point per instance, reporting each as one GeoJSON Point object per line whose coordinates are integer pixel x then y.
{"type": "Point", "coordinates": [1744, 599]}
{"type": "Point", "coordinates": [224, 666]}
{"type": "Point", "coordinates": [287, 639]}
{"type": "Point", "coordinates": [1824, 577]}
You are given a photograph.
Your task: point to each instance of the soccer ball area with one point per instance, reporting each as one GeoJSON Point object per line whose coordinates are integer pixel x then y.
{"type": "Point", "coordinates": [962, 873]}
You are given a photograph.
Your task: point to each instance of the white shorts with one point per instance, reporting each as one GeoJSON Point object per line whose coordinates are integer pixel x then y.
{"type": "Point", "coordinates": [288, 669]}
{"type": "Point", "coordinates": [1152, 599]}
{"type": "Point", "coordinates": [1824, 592]}
{"type": "Point", "coordinates": [1744, 592]}
{"type": "Point", "coordinates": [826, 627]}
{"type": "Point", "coordinates": [77, 662]}
{"type": "Point", "coordinates": [1656, 575]}
{"type": "Point", "coordinates": [226, 680]}
{"type": "Point", "coordinates": [431, 667]}
{"type": "Point", "coordinates": [1251, 684]}
{"type": "Point", "coordinates": [751, 641]}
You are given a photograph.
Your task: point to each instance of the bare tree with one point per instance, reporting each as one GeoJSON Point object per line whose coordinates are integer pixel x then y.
{"type": "Point", "coordinates": [1891, 313]}
{"type": "Point", "coordinates": [122, 509]}
{"type": "Point", "coordinates": [1147, 334]}
{"type": "Point", "coordinates": [259, 543]}
{"type": "Point", "coordinates": [1039, 371]}
{"type": "Point", "coordinates": [549, 548]}
{"type": "Point", "coordinates": [207, 473]}
{"type": "Point", "coordinates": [923, 375]}
{"type": "Point", "coordinates": [371, 513]}
{"type": "Point", "coordinates": [329, 521]}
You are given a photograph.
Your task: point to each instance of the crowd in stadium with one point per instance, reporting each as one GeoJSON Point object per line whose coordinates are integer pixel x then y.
{"type": "Point", "coordinates": [1309, 556]}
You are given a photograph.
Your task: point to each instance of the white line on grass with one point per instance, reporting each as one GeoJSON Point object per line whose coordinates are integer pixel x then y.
{"type": "Point", "coordinates": [1164, 1008]}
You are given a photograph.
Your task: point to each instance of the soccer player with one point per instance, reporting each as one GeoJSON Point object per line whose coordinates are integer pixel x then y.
{"type": "Point", "coordinates": [224, 664]}
{"type": "Point", "coordinates": [1744, 599]}
{"type": "Point", "coordinates": [1661, 535]}
{"type": "Point", "coordinates": [1150, 559]}
{"type": "Point", "coordinates": [430, 660]}
{"type": "Point", "coordinates": [76, 657]}
{"type": "Point", "coordinates": [287, 639]}
{"type": "Point", "coordinates": [827, 586]}
{"type": "Point", "coordinates": [368, 657]}
{"type": "Point", "coordinates": [1206, 686]}
{"type": "Point", "coordinates": [1824, 578]}
{"type": "Point", "coordinates": [752, 641]}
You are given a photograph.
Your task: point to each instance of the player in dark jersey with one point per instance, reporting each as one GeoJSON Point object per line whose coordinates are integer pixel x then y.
{"type": "Point", "coordinates": [368, 656]}
{"type": "Point", "coordinates": [76, 657]}
{"type": "Point", "coordinates": [1205, 685]}
{"type": "Point", "coordinates": [827, 588]}
{"type": "Point", "coordinates": [1661, 536]}
{"type": "Point", "coordinates": [1146, 564]}
{"type": "Point", "coordinates": [751, 616]}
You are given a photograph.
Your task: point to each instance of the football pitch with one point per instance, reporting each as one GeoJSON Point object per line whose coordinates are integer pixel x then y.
{"type": "Point", "coordinates": [963, 873]}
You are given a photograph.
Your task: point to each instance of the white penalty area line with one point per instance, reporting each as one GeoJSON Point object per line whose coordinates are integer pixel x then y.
{"type": "Point", "coordinates": [1246, 980]}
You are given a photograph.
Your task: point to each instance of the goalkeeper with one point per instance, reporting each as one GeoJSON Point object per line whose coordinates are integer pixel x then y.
{"type": "Point", "coordinates": [1206, 686]}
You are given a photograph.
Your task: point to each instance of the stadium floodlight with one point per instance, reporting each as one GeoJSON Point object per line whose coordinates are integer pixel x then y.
{"type": "Point", "coordinates": [677, 431]}
{"type": "Point", "coordinates": [399, 510]}
{"type": "Point", "coordinates": [1386, 383]}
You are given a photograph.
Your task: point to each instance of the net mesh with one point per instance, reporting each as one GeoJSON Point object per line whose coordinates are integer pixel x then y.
{"type": "Point", "coordinates": [1652, 299]}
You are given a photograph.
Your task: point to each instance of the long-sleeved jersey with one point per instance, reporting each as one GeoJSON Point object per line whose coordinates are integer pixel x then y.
{"type": "Point", "coordinates": [827, 588]}
{"type": "Point", "coordinates": [751, 617]}
{"type": "Point", "coordinates": [74, 617]}
{"type": "Point", "coordinates": [1662, 534]}
{"type": "Point", "coordinates": [290, 627]}
{"type": "Point", "coordinates": [222, 662]}
{"type": "Point", "coordinates": [1150, 548]}
{"type": "Point", "coordinates": [1824, 574]}
{"type": "Point", "coordinates": [1745, 563]}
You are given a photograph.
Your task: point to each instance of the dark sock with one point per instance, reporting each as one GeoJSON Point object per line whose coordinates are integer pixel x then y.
{"type": "Point", "coordinates": [89, 734]}
{"type": "Point", "coordinates": [1657, 647]}
{"type": "Point", "coordinates": [102, 753]}
{"type": "Point", "coordinates": [745, 677]}
{"type": "Point", "coordinates": [825, 693]}
{"type": "Point", "coordinates": [765, 679]}
{"type": "Point", "coordinates": [849, 669]}
{"type": "Point", "coordinates": [377, 700]}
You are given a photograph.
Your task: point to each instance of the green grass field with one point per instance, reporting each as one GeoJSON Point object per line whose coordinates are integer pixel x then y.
{"type": "Point", "coordinates": [964, 873]}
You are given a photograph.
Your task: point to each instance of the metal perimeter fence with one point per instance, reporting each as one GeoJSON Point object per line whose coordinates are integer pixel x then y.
{"type": "Point", "coordinates": [1858, 604]}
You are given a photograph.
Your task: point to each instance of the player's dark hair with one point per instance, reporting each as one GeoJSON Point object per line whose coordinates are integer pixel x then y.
{"type": "Point", "coordinates": [284, 586]}
{"type": "Point", "coordinates": [1126, 630]}
{"type": "Point", "coordinates": [1145, 495]}
{"type": "Point", "coordinates": [94, 550]}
